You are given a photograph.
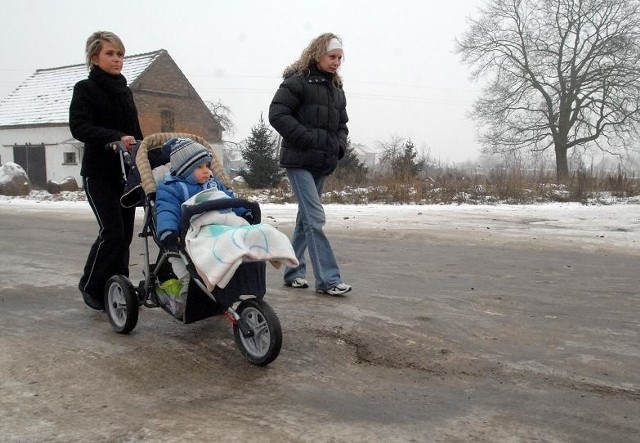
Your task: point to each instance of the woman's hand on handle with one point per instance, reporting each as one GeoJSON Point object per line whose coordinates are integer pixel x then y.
{"type": "Point", "coordinates": [128, 141]}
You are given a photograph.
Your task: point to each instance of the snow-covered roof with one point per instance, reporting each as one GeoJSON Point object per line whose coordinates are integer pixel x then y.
{"type": "Point", "coordinates": [365, 149]}
{"type": "Point", "coordinates": [44, 97]}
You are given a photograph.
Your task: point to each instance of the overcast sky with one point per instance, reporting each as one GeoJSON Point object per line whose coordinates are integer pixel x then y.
{"type": "Point", "coordinates": [402, 77]}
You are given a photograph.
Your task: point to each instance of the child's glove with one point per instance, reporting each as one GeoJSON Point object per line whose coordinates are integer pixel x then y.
{"type": "Point", "coordinates": [151, 197]}
{"type": "Point", "coordinates": [169, 240]}
{"type": "Point", "coordinates": [244, 213]}
{"type": "Point", "coordinates": [248, 216]}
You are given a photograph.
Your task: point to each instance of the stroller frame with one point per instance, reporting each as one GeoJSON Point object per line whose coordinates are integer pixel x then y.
{"type": "Point", "coordinates": [256, 326]}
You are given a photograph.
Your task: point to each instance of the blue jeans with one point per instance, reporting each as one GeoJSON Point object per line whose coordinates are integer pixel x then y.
{"type": "Point", "coordinates": [308, 233]}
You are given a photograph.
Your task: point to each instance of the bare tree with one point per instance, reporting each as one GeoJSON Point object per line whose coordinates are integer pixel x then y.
{"type": "Point", "coordinates": [562, 74]}
{"type": "Point", "coordinates": [222, 113]}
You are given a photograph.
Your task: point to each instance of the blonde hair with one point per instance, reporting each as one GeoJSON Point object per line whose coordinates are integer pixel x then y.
{"type": "Point", "coordinates": [96, 41]}
{"type": "Point", "coordinates": [312, 54]}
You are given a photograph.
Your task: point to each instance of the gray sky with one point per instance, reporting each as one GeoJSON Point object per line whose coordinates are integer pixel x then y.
{"type": "Point", "coordinates": [402, 77]}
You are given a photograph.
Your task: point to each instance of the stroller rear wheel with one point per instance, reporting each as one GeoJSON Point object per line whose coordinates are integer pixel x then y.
{"type": "Point", "coordinates": [121, 304]}
{"type": "Point", "coordinates": [263, 346]}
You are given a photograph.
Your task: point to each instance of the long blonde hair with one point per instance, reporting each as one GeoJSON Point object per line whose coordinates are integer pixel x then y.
{"type": "Point", "coordinates": [311, 54]}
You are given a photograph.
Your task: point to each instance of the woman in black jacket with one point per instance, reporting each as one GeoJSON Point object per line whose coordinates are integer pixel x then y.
{"type": "Point", "coordinates": [309, 112]}
{"type": "Point", "coordinates": [102, 111]}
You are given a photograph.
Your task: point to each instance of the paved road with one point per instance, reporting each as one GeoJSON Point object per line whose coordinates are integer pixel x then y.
{"type": "Point", "coordinates": [446, 338]}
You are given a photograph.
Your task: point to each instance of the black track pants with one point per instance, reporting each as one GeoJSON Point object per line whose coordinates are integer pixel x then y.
{"type": "Point", "coordinates": [109, 254]}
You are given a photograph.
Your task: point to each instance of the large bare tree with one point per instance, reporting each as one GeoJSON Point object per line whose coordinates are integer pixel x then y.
{"type": "Point", "coordinates": [222, 113]}
{"type": "Point", "coordinates": [561, 74]}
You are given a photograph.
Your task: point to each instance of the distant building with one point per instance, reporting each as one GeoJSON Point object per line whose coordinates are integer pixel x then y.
{"type": "Point", "coordinates": [34, 119]}
{"type": "Point", "coordinates": [233, 160]}
{"type": "Point", "coordinates": [367, 155]}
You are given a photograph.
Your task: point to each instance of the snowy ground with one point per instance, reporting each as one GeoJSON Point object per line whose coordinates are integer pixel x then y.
{"type": "Point", "coordinates": [614, 226]}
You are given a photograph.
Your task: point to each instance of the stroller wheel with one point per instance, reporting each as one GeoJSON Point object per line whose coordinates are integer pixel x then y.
{"type": "Point", "coordinates": [121, 304]}
{"type": "Point", "coordinates": [263, 346]}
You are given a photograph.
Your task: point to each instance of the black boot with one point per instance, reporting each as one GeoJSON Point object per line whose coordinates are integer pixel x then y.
{"type": "Point", "coordinates": [96, 303]}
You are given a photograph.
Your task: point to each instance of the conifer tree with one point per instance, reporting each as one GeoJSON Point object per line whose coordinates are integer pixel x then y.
{"type": "Point", "coordinates": [351, 170]}
{"type": "Point", "coordinates": [259, 153]}
{"type": "Point", "coordinates": [400, 158]}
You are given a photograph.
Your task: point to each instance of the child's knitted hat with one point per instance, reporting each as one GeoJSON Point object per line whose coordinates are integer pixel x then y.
{"type": "Point", "coordinates": [187, 155]}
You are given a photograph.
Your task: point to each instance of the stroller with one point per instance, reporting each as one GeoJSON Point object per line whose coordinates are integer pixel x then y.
{"type": "Point", "coordinates": [256, 327]}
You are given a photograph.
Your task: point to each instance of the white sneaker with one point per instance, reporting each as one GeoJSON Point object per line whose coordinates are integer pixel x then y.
{"type": "Point", "coordinates": [339, 289]}
{"type": "Point", "coordinates": [298, 283]}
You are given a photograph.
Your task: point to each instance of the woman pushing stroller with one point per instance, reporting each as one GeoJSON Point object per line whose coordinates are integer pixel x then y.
{"type": "Point", "coordinates": [102, 110]}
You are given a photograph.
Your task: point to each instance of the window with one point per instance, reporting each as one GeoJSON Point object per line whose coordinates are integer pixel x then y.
{"type": "Point", "coordinates": [69, 158]}
{"type": "Point", "coordinates": [167, 121]}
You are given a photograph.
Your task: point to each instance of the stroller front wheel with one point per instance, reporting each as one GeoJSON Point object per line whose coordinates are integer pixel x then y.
{"type": "Point", "coordinates": [265, 342]}
{"type": "Point", "coordinates": [121, 304]}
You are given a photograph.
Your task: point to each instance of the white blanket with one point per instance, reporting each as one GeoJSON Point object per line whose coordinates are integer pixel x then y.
{"type": "Point", "coordinates": [219, 241]}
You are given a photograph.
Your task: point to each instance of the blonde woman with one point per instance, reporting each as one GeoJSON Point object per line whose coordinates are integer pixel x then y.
{"type": "Point", "coordinates": [102, 111]}
{"type": "Point", "coordinates": [309, 112]}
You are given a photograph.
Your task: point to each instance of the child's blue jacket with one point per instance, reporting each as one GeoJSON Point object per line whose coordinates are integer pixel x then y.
{"type": "Point", "coordinates": [173, 192]}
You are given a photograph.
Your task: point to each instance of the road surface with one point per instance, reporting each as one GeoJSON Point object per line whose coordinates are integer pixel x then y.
{"type": "Point", "coordinates": [482, 332]}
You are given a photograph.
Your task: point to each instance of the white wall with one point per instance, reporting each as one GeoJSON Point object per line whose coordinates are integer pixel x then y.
{"type": "Point", "coordinates": [218, 151]}
{"type": "Point", "coordinates": [53, 139]}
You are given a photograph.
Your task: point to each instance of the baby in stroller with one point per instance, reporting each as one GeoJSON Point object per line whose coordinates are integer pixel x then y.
{"type": "Point", "coordinates": [190, 175]}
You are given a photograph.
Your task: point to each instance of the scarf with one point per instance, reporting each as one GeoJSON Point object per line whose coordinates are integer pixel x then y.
{"type": "Point", "coordinates": [116, 87]}
{"type": "Point", "coordinates": [111, 84]}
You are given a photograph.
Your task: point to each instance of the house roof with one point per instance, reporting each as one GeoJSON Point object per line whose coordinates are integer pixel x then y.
{"type": "Point", "coordinates": [44, 97]}
{"type": "Point", "coordinates": [365, 149]}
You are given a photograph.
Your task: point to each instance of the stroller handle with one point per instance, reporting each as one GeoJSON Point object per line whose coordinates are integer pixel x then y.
{"type": "Point", "coordinates": [120, 147]}
{"type": "Point", "coordinates": [215, 205]}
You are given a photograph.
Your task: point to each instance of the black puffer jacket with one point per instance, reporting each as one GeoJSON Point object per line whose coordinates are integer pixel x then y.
{"type": "Point", "coordinates": [102, 110]}
{"type": "Point", "coordinates": [310, 114]}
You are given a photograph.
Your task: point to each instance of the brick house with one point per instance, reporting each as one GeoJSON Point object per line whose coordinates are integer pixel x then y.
{"type": "Point", "coordinates": [34, 119]}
